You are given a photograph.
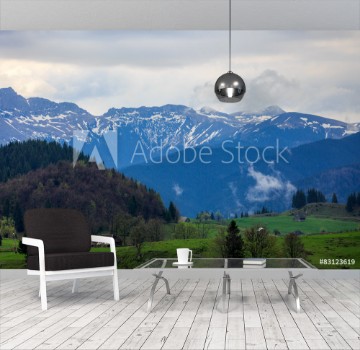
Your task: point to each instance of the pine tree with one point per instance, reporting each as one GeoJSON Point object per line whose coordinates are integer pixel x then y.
{"type": "Point", "coordinates": [334, 198]}
{"type": "Point", "coordinates": [320, 197]}
{"type": "Point", "coordinates": [299, 199]}
{"type": "Point", "coordinates": [312, 196]}
{"type": "Point", "coordinates": [234, 242]}
{"type": "Point", "coordinates": [173, 213]}
{"type": "Point", "coordinates": [315, 196]}
{"type": "Point", "coordinates": [351, 202]}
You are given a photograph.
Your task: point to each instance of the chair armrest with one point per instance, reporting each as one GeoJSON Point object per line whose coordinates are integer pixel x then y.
{"type": "Point", "coordinates": [107, 240]}
{"type": "Point", "coordinates": [33, 241]}
{"type": "Point", "coordinates": [40, 244]}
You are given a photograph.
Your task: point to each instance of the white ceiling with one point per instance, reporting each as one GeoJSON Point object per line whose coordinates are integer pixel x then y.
{"type": "Point", "coordinates": [179, 14]}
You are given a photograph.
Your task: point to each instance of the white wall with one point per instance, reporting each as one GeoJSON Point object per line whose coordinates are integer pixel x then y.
{"type": "Point", "coordinates": [179, 14]}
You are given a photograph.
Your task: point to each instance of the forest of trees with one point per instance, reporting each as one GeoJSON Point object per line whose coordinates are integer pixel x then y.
{"type": "Point", "coordinates": [256, 242]}
{"type": "Point", "coordinates": [353, 201]}
{"type": "Point", "coordinates": [263, 210]}
{"type": "Point", "coordinates": [300, 199]}
{"type": "Point", "coordinates": [19, 158]}
{"type": "Point", "coordinates": [100, 195]}
{"type": "Point", "coordinates": [40, 174]}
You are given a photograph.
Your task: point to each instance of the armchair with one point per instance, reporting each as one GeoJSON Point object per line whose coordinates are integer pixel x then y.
{"type": "Point", "coordinates": [59, 243]}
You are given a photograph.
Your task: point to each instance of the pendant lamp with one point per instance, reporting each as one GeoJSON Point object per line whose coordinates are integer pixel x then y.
{"type": "Point", "coordinates": [230, 87]}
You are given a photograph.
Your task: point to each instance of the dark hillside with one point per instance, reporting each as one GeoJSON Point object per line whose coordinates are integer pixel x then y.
{"type": "Point", "coordinates": [18, 158]}
{"type": "Point", "coordinates": [100, 194]}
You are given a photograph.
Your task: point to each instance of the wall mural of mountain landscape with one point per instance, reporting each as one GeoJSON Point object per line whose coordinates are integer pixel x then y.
{"type": "Point", "coordinates": [160, 146]}
{"type": "Point", "coordinates": [185, 171]}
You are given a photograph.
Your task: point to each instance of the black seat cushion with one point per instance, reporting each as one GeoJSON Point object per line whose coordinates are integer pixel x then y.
{"type": "Point", "coordinates": [68, 261]}
{"type": "Point", "coordinates": [62, 230]}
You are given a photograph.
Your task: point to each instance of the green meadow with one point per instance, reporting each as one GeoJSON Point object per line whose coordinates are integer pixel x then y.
{"type": "Point", "coordinates": [333, 246]}
{"type": "Point", "coordinates": [282, 223]}
{"type": "Point", "coordinates": [318, 246]}
{"type": "Point", "coordinates": [285, 224]}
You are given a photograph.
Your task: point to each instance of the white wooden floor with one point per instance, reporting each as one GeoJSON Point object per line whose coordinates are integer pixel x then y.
{"type": "Point", "coordinates": [258, 315]}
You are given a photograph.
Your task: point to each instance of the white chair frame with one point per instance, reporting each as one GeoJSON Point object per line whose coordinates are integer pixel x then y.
{"type": "Point", "coordinates": [74, 274]}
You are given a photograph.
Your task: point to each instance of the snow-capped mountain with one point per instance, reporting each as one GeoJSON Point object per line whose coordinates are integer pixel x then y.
{"type": "Point", "coordinates": [167, 126]}
{"type": "Point", "coordinates": [22, 119]}
{"type": "Point", "coordinates": [294, 129]}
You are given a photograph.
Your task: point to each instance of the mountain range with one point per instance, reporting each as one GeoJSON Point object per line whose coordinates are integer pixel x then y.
{"type": "Point", "coordinates": [234, 187]}
{"type": "Point", "coordinates": [317, 148]}
{"type": "Point", "coordinates": [168, 126]}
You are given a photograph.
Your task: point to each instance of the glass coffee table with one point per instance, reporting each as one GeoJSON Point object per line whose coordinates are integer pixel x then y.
{"type": "Point", "coordinates": [220, 267]}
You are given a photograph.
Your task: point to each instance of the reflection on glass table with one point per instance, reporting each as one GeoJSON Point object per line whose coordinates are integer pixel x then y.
{"type": "Point", "coordinates": [220, 263]}
{"type": "Point", "coordinates": [227, 264]}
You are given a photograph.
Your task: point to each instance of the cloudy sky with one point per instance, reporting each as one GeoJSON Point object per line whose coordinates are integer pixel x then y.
{"type": "Point", "coordinates": [310, 72]}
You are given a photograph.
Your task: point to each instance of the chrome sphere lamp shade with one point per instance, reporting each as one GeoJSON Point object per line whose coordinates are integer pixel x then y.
{"type": "Point", "coordinates": [230, 87]}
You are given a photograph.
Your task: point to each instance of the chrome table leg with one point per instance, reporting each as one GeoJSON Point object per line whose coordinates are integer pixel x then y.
{"type": "Point", "coordinates": [152, 291]}
{"type": "Point", "coordinates": [226, 289]}
{"type": "Point", "coordinates": [293, 285]}
{"type": "Point", "coordinates": [226, 284]}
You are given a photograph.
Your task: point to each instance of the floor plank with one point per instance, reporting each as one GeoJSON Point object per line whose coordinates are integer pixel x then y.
{"type": "Point", "coordinates": [274, 336]}
{"type": "Point", "coordinates": [199, 329]}
{"type": "Point", "coordinates": [339, 297]}
{"type": "Point", "coordinates": [347, 318]}
{"type": "Point", "coordinates": [179, 333]}
{"type": "Point", "coordinates": [257, 314]}
{"type": "Point", "coordinates": [104, 326]}
{"type": "Point", "coordinates": [130, 319]}
{"type": "Point", "coordinates": [59, 300]}
{"type": "Point", "coordinates": [54, 316]}
{"type": "Point", "coordinates": [330, 335]}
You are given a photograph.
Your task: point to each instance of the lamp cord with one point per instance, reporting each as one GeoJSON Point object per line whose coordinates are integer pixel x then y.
{"type": "Point", "coordinates": [229, 35]}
